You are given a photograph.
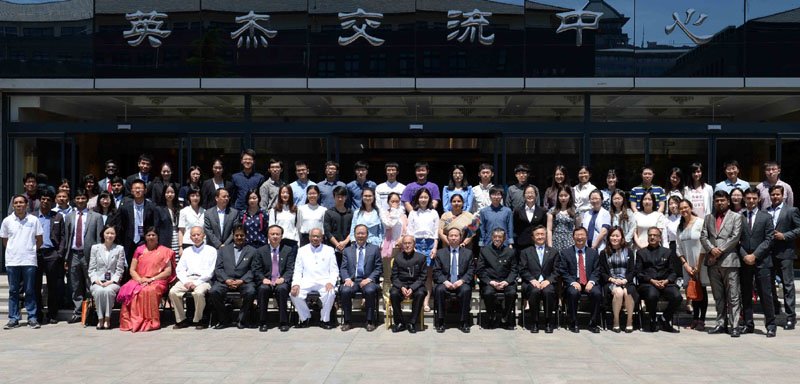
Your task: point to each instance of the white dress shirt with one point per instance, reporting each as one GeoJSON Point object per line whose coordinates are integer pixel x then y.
{"type": "Point", "coordinates": [423, 224]}
{"type": "Point", "coordinates": [315, 266]}
{"type": "Point", "coordinates": [197, 263]}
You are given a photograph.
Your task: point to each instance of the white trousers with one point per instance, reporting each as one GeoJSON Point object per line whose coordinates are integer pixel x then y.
{"type": "Point", "coordinates": [328, 298]}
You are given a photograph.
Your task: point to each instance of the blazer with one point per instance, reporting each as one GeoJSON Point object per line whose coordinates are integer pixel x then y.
{"type": "Point", "coordinates": [262, 264]}
{"type": "Point", "coordinates": [442, 263]}
{"type": "Point", "coordinates": [409, 271]}
{"type": "Point", "coordinates": [208, 192]}
{"type": "Point", "coordinates": [130, 179]}
{"type": "Point", "coordinates": [113, 263]}
{"type": "Point", "coordinates": [758, 239]}
{"type": "Point", "coordinates": [103, 184]}
{"type": "Point", "coordinates": [568, 265]}
{"type": "Point", "coordinates": [727, 239]}
{"type": "Point", "coordinates": [94, 232]}
{"type": "Point", "coordinates": [524, 227]}
{"type": "Point", "coordinates": [152, 217]}
{"type": "Point", "coordinates": [789, 225]}
{"type": "Point", "coordinates": [211, 226]}
{"type": "Point", "coordinates": [656, 264]}
{"type": "Point", "coordinates": [497, 265]}
{"type": "Point", "coordinates": [57, 225]}
{"type": "Point", "coordinates": [227, 268]}
{"type": "Point", "coordinates": [630, 268]}
{"type": "Point", "coordinates": [531, 269]}
{"type": "Point", "coordinates": [373, 265]}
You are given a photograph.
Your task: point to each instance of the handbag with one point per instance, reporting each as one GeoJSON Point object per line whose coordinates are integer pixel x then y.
{"type": "Point", "coordinates": [88, 314]}
{"type": "Point", "coordinates": [693, 290]}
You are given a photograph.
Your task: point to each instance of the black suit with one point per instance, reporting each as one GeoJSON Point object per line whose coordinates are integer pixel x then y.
{"type": "Point", "coordinates": [408, 271]}
{"type": "Point", "coordinates": [442, 271]}
{"type": "Point", "coordinates": [373, 268]}
{"type": "Point", "coordinates": [262, 269]}
{"type": "Point", "coordinates": [756, 241]}
{"type": "Point", "coordinates": [228, 268]}
{"type": "Point", "coordinates": [498, 265]}
{"type": "Point", "coordinates": [51, 264]}
{"type": "Point", "coordinates": [211, 226]}
{"type": "Point", "coordinates": [208, 192]}
{"type": "Point", "coordinates": [531, 269]}
{"type": "Point", "coordinates": [523, 228]}
{"type": "Point", "coordinates": [568, 270]}
{"type": "Point", "coordinates": [130, 179]}
{"type": "Point", "coordinates": [658, 264]}
{"type": "Point", "coordinates": [783, 256]}
{"type": "Point", "coordinates": [151, 217]}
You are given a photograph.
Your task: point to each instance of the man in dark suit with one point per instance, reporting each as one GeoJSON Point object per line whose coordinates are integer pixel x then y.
{"type": "Point", "coordinates": [408, 281]}
{"type": "Point", "coordinates": [219, 221]}
{"type": "Point", "coordinates": [787, 228]}
{"type": "Point", "coordinates": [656, 266]}
{"type": "Point", "coordinates": [757, 234]}
{"type": "Point", "coordinates": [50, 257]}
{"type": "Point", "coordinates": [361, 268]}
{"type": "Point", "coordinates": [273, 268]}
{"type": "Point", "coordinates": [145, 163]}
{"type": "Point", "coordinates": [497, 273]}
{"type": "Point", "coordinates": [453, 271]}
{"type": "Point", "coordinates": [137, 214]}
{"type": "Point", "coordinates": [111, 172]}
{"type": "Point", "coordinates": [579, 266]}
{"type": "Point", "coordinates": [83, 229]}
{"type": "Point", "coordinates": [234, 272]}
{"type": "Point", "coordinates": [526, 218]}
{"type": "Point", "coordinates": [537, 268]}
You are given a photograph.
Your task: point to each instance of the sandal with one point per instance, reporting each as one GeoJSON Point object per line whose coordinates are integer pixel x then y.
{"type": "Point", "coordinates": [427, 308]}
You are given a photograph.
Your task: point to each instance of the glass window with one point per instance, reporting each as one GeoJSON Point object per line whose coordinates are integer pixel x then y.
{"type": "Point", "coordinates": [790, 157]}
{"type": "Point", "coordinates": [39, 155]}
{"type": "Point", "coordinates": [92, 150]}
{"type": "Point", "coordinates": [750, 153]}
{"type": "Point", "coordinates": [625, 155]}
{"type": "Point", "coordinates": [312, 150]}
{"type": "Point", "coordinates": [666, 153]}
{"type": "Point", "coordinates": [773, 38]}
{"type": "Point", "coordinates": [205, 149]}
{"type": "Point", "coordinates": [541, 155]}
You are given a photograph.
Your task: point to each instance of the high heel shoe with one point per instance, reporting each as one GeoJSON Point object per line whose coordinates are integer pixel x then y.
{"type": "Point", "coordinates": [628, 328]}
{"type": "Point", "coordinates": [615, 329]}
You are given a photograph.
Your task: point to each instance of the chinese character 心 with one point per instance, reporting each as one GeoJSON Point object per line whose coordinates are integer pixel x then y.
{"type": "Point", "coordinates": [250, 26]}
{"type": "Point", "coordinates": [350, 20]}
{"type": "Point", "coordinates": [682, 25]}
{"type": "Point", "coordinates": [145, 25]}
{"type": "Point", "coordinates": [473, 25]}
{"type": "Point", "coordinates": [574, 20]}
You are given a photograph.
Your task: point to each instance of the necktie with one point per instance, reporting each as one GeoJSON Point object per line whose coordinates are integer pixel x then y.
{"type": "Point", "coordinates": [108, 185]}
{"type": "Point", "coordinates": [750, 219]}
{"type": "Point", "coordinates": [360, 262]}
{"type": "Point", "coordinates": [540, 253]}
{"type": "Point", "coordinates": [454, 266]}
{"type": "Point", "coordinates": [275, 272]}
{"type": "Point", "coordinates": [138, 223]}
{"type": "Point", "coordinates": [79, 231]}
{"type": "Point", "coordinates": [592, 227]}
{"type": "Point", "coordinates": [719, 222]}
{"type": "Point", "coordinates": [581, 269]}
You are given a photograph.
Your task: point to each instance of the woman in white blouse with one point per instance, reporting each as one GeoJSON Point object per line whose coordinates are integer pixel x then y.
{"type": "Point", "coordinates": [582, 190]}
{"type": "Point", "coordinates": [673, 220]}
{"type": "Point", "coordinates": [310, 215]}
{"type": "Point", "coordinates": [284, 214]}
{"type": "Point", "coordinates": [191, 215]}
{"type": "Point", "coordinates": [106, 266]}
{"type": "Point", "coordinates": [698, 192]}
{"type": "Point", "coordinates": [423, 224]}
{"type": "Point", "coordinates": [646, 218]}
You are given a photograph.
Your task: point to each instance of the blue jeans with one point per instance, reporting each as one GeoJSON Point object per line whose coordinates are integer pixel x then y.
{"type": "Point", "coordinates": [16, 277]}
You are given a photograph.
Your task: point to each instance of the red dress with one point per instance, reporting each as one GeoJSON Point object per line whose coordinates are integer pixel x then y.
{"type": "Point", "coordinates": [140, 302]}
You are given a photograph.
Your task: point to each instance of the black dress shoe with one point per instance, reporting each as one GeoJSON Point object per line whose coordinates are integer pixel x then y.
{"type": "Point", "coordinates": [398, 328]}
{"type": "Point", "coordinates": [771, 332]}
{"type": "Point", "coordinates": [440, 328]}
{"type": "Point", "coordinates": [52, 321]}
{"type": "Point", "coordinates": [735, 332]}
{"type": "Point", "coordinates": [346, 327]}
{"type": "Point", "coordinates": [465, 327]}
{"type": "Point", "coordinates": [717, 329]}
{"type": "Point", "coordinates": [574, 329]}
{"type": "Point", "coordinates": [74, 319]}
{"type": "Point", "coordinates": [412, 328]}
{"type": "Point", "coordinates": [221, 326]}
{"type": "Point", "coordinates": [548, 328]}
{"type": "Point", "coordinates": [284, 327]}
{"type": "Point", "coordinates": [789, 325]}
{"type": "Point", "coordinates": [370, 327]}
{"type": "Point", "coordinates": [667, 327]}
{"type": "Point", "coordinates": [200, 326]}
{"type": "Point", "coordinates": [182, 325]}
{"type": "Point", "coordinates": [326, 325]}
{"type": "Point", "coordinates": [241, 325]}
{"type": "Point", "coordinates": [263, 328]}
{"type": "Point", "coordinates": [594, 329]}
{"type": "Point", "coordinates": [748, 329]}
{"type": "Point", "coordinates": [535, 328]}
{"type": "Point", "coordinates": [303, 324]}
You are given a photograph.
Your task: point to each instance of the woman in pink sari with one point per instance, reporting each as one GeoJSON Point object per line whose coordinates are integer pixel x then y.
{"type": "Point", "coordinates": [152, 269]}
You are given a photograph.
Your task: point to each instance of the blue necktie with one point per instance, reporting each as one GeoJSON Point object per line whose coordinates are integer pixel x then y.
{"type": "Point", "coordinates": [453, 266]}
{"type": "Point", "coordinates": [360, 262]}
{"type": "Point", "coordinates": [540, 253]}
{"type": "Point", "coordinates": [591, 227]}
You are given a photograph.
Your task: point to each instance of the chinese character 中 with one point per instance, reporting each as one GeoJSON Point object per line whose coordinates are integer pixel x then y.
{"type": "Point", "coordinates": [250, 26]}
{"type": "Point", "coordinates": [349, 20]}
{"type": "Point", "coordinates": [473, 24]}
{"type": "Point", "coordinates": [574, 20]}
{"type": "Point", "coordinates": [146, 25]}
{"type": "Point", "coordinates": [682, 25]}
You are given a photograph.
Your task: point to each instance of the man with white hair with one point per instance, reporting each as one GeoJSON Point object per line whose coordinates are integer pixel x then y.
{"type": "Point", "coordinates": [195, 271]}
{"type": "Point", "coordinates": [315, 270]}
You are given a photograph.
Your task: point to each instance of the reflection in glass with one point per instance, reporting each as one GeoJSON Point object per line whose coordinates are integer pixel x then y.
{"type": "Point", "coordinates": [542, 155]}
{"type": "Point", "coordinates": [312, 150]}
{"type": "Point", "coordinates": [750, 160]}
{"type": "Point", "coordinates": [666, 153]}
{"type": "Point", "coordinates": [625, 155]}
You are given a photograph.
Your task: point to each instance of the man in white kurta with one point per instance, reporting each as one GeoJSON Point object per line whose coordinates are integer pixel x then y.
{"type": "Point", "coordinates": [315, 270]}
{"type": "Point", "coordinates": [194, 271]}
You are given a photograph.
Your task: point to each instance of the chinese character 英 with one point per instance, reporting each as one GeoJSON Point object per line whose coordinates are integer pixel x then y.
{"type": "Point", "coordinates": [145, 25]}
{"type": "Point", "coordinates": [349, 20]}
{"type": "Point", "coordinates": [250, 26]}
{"type": "Point", "coordinates": [574, 20]}
{"type": "Point", "coordinates": [473, 24]}
{"type": "Point", "coordinates": [682, 25]}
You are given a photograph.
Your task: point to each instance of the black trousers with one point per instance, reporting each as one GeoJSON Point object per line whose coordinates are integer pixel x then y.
{"type": "Point", "coordinates": [396, 297]}
{"type": "Point", "coordinates": [52, 266]}
{"type": "Point", "coordinates": [281, 294]}
{"type": "Point", "coordinates": [650, 294]}
{"type": "Point", "coordinates": [346, 295]}
{"type": "Point", "coordinates": [784, 269]}
{"type": "Point", "coordinates": [489, 296]}
{"type": "Point", "coordinates": [763, 283]}
{"type": "Point", "coordinates": [573, 297]}
{"type": "Point", "coordinates": [535, 297]}
{"type": "Point", "coordinates": [463, 294]}
{"type": "Point", "coordinates": [217, 299]}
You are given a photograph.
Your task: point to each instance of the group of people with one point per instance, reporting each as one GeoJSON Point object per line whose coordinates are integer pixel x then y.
{"type": "Point", "coordinates": [137, 239]}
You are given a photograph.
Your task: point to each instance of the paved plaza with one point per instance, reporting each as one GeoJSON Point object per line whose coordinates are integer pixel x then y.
{"type": "Point", "coordinates": [64, 353]}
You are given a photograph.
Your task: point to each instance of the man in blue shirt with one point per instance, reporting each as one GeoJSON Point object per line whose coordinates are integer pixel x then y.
{"type": "Point", "coordinates": [300, 185]}
{"type": "Point", "coordinates": [355, 187]}
{"type": "Point", "coordinates": [326, 187]}
{"type": "Point", "coordinates": [647, 185]}
{"type": "Point", "coordinates": [732, 178]}
{"type": "Point", "coordinates": [246, 180]}
{"type": "Point", "coordinates": [496, 216]}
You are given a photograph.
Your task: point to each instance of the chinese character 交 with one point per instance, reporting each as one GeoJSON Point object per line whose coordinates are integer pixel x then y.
{"type": "Point", "coordinates": [351, 21]}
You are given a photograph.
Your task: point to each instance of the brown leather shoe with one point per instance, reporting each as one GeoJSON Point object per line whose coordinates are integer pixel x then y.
{"type": "Point", "coordinates": [346, 327]}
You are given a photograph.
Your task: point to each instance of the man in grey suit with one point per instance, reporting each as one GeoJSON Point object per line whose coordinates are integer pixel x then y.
{"type": "Point", "coordinates": [274, 269]}
{"type": "Point", "coordinates": [361, 268]}
{"type": "Point", "coordinates": [84, 228]}
{"type": "Point", "coordinates": [234, 272]}
{"type": "Point", "coordinates": [537, 267]}
{"type": "Point", "coordinates": [787, 228]}
{"type": "Point", "coordinates": [219, 220]}
{"type": "Point", "coordinates": [453, 271]}
{"type": "Point", "coordinates": [720, 240]}
{"type": "Point", "coordinates": [757, 233]}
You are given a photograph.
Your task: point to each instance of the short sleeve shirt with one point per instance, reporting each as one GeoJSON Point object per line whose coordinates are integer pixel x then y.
{"type": "Point", "coordinates": [21, 235]}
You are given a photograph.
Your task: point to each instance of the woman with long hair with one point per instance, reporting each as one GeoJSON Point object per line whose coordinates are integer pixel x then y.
{"type": "Point", "coordinates": [284, 214]}
{"type": "Point", "coordinates": [675, 185]}
{"type": "Point", "coordinates": [690, 252]}
{"type": "Point", "coordinates": [648, 217]}
{"type": "Point", "coordinates": [310, 215]}
{"type": "Point", "coordinates": [192, 215]}
{"type": "Point", "coordinates": [254, 220]}
{"type": "Point", "coordinates": [170, 213]}
{"type": "Point", "coordinates": [617, 270]}
{"type": "Point", "coordinates": [369, 216]}
{"type": "Point", "coordinates": [622, 215]}
{"type": "Point", "coordinates": [581, 191]}
{"type": "Point", "coordinates": [698, 192]}
{"type": "Point", "coordinates": [423, 224]}
{"type": "Point", "coordinates": [192, 182]}
{"type": "Point", "coordinates": [560, 179]}
{"type": "Point", "coordinates": [458, 185]}
{"type": "Point", "coordinates": [562, 220]}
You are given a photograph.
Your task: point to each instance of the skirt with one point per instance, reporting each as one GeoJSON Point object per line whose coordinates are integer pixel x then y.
{"type": "Point", "coordinates": [425, 247]}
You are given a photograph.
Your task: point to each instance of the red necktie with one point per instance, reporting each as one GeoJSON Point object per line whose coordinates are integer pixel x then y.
{"type": "Point", "coordinates": [79, 231]}
{"type": "Point", "coordinates": [581, 269]}
{"type": "Point", "coordinates": [719, 221]}
{"type": "Point", "coordinates": [108, 186]}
